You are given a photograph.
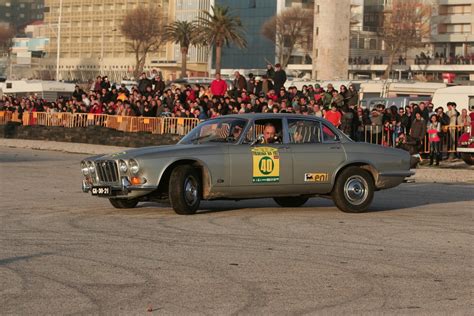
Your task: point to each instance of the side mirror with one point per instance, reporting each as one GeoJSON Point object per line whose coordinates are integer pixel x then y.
{"type": "Point", "coordinates": [259, 140]}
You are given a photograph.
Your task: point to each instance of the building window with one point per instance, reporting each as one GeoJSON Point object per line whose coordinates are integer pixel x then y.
{"type": "Point", "coordinates": [458, 28]}
{"type": "Point", "coordinates": [252, 4]}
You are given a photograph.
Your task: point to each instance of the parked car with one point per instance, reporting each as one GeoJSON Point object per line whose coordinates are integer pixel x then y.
{"type": "Point", "coordinates": [237, 157]}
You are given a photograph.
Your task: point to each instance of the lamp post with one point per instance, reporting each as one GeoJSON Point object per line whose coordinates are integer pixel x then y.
{"type": "Point", "coordinates": [102, 52]}
{"type": "Point", "coordinates": [59, 39]}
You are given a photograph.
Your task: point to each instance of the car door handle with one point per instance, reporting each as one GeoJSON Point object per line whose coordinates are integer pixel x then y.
{"type": "Point", "coordinates": [284, 147]}
{"type": "Point", "coordinates": [335, 147]}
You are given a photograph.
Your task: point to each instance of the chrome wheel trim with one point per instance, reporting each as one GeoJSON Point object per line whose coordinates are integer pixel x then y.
{"type": "Point", "coordinates": [356, 190]}
{"type": "Point", "coordinates": [190, 191]}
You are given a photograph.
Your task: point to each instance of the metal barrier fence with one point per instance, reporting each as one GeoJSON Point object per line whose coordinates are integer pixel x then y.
{"type": "Point", "coordinates": [133, 124]}
{"type": "Point", "coordinates": [376, 134]}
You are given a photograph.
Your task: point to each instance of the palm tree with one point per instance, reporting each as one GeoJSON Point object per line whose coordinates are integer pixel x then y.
{"type": "Point", "coordinates": [220, 28]}
{"type": "Point", "coordinates": [184, 34]}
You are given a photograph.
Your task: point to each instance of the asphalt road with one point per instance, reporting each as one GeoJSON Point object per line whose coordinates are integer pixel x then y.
{"type": "Point", "coordinates": [63, 251]}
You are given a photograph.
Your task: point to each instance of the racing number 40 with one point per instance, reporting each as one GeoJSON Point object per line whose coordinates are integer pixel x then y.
{"type": "Point", "coordinates": [266, 165]}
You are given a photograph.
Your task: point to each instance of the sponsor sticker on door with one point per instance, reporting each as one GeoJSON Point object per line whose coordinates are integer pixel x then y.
{"type": "Point", "coordinates": [266, 164]}
{"type": "Point", "coordinates": [316, 177]}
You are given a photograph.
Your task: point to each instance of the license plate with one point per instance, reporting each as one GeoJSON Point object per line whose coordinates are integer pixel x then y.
{"type": "Point", "coordinates": [101, 191]}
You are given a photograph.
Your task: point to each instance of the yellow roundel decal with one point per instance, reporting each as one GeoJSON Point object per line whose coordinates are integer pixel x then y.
{"type": "Point", "coordinates": [266, 164]}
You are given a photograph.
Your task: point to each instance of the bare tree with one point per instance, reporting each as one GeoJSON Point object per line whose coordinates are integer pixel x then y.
{"type": "Point", "coordinates": [405, 25]}
{"type": "Point", "coordinates": [290, 29]}
{"type": "Point", "coordinates": [143, 27]}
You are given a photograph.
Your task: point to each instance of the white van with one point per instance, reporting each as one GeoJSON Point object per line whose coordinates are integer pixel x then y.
{"type": "Point", "coordinates": [463, 96]}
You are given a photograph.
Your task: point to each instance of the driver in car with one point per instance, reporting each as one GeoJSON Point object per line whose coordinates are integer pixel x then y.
{"type": "Point", "coordinates": [269, 134]}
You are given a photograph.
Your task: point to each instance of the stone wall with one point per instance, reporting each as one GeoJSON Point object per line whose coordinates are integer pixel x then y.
{"type": "Point", "coordinates": [90, 135]}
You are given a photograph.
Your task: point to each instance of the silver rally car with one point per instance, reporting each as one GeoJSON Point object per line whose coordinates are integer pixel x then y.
{"type": "Point", "coordinates": [287, 157]}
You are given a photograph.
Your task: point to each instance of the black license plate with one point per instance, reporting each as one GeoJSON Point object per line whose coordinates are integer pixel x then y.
{"type": "Point", "coordinates": [101, 191]}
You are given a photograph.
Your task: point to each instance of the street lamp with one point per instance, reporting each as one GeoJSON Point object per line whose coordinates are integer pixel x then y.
{"type": "Point", "coordinates": [59, 39]}
{"type": "Point", "coordinates": [102, 52]}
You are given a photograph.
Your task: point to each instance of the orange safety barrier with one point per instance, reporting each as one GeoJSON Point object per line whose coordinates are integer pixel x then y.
{"type": "Point", "coordinates": [5, 117]}
{"type": "Point", "coordinates": [177, 125]}
{"type": "Point", "coordinates": [156, 125]}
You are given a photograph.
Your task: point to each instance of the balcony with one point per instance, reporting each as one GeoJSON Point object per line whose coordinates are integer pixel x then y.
{"type": "Point", "coordinates": [452, 38]}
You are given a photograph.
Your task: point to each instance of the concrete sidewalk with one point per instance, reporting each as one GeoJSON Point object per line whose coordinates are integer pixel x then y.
{"type": "Point", "coordinates": [78, 148]}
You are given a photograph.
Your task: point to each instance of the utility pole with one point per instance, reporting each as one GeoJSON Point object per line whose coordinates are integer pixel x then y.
{"type": "Point", "coordinates": [102, 54]}
{"type": "Point", "coordinates": [58, 52]}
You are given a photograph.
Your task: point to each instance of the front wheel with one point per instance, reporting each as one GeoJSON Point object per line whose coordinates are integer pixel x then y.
{"type": "Point", "coordinates": [185, 190]}
{"type": "Point", "coordinates": [123, 203]}
{"type": "Point", "coordinates": [295, 201]}
{"type": "Point", "coordinates": [354, 190]}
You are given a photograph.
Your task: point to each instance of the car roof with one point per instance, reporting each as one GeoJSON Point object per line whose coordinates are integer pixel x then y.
{"type": "Point", "coordinates": [254, 116]}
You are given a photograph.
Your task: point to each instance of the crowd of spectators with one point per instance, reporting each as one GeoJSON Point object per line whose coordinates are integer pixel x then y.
{"type": "Point", "coordinates": [152, 97]}
{"type": "Point", "coordinates": [420, 59]}
{"type": "Point", "coordinates": [442, 59]}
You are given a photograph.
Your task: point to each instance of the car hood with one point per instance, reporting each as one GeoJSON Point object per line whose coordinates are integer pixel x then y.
{"type": "Point", "coordinates": [167, 150]}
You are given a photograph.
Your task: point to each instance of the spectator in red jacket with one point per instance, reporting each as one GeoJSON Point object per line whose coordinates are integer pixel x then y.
{"type": "Point", "coordinates": [218, 86]}
{"type": "Point", "coordinates": [333, 116]}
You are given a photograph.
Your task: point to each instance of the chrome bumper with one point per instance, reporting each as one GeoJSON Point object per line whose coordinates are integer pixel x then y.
{"type": "Point", "coordinates": [386, 180]}
{"type": "Point", "coordinates": [124, 188]}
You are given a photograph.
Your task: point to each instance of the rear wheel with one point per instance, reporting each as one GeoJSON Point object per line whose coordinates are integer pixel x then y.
{"type": "Point", "coordinates": [468, 158]}
{"type": "Point", "coordinates": [354, 190]}
{"type": "Point", "coordinates": [294, 201]}
{"type": "Point", "coordinates": [185, 190]}
{"type": "Point", "coordinates": [123, 203]}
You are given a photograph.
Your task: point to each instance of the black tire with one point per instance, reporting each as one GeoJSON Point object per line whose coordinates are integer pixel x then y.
{"type": "Point", "coordinates": [294, 201]}
{"type": "Point", "coordinates": [123, 203]}
{"type": "Point", "coordinates": [185, 190]}
{"type": "Point", "coordinates": [354, 190]}
{"type": "Point", "coordinates": [468, 158]}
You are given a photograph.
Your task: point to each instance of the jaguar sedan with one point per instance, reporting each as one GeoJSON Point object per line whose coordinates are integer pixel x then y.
{"type": "Point", "coordinates": [287, 157]}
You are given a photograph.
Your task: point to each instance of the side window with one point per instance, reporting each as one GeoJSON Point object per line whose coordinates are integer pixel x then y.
{"type": "Point", "coordinates": [329, 135]}
{"type": "Point", "coordinates": [271, 129]}
{"type": "Point", "coordinates": [304, 131]}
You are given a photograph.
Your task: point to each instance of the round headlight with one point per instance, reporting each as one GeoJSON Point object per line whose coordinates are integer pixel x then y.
{"type": "Point", "coordinates": [123, 166]}
{"type": "Point", "coordinates": [91, 167]}
{"type": "Point", "coordinates": [134, 167]}
{"type": "Point", "coordinates": [84, 168]}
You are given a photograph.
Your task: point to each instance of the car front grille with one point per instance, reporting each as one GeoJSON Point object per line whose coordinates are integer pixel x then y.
{"type": "Point", "coordinates": [107, 171]}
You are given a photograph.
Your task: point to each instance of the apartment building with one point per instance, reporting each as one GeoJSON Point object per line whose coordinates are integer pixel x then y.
{"type": "Point", "coordinates": [19, 13]}
{"type": "Point", "coordinates": [449, 47]}
{"type": "Point", "coordinates": [452, 28]}
{"type": "Point", "coordinates": [91, 42]}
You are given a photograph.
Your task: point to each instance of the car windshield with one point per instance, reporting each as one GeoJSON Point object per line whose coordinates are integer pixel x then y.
{"type": "Point", "coordinates": [223, 130]}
